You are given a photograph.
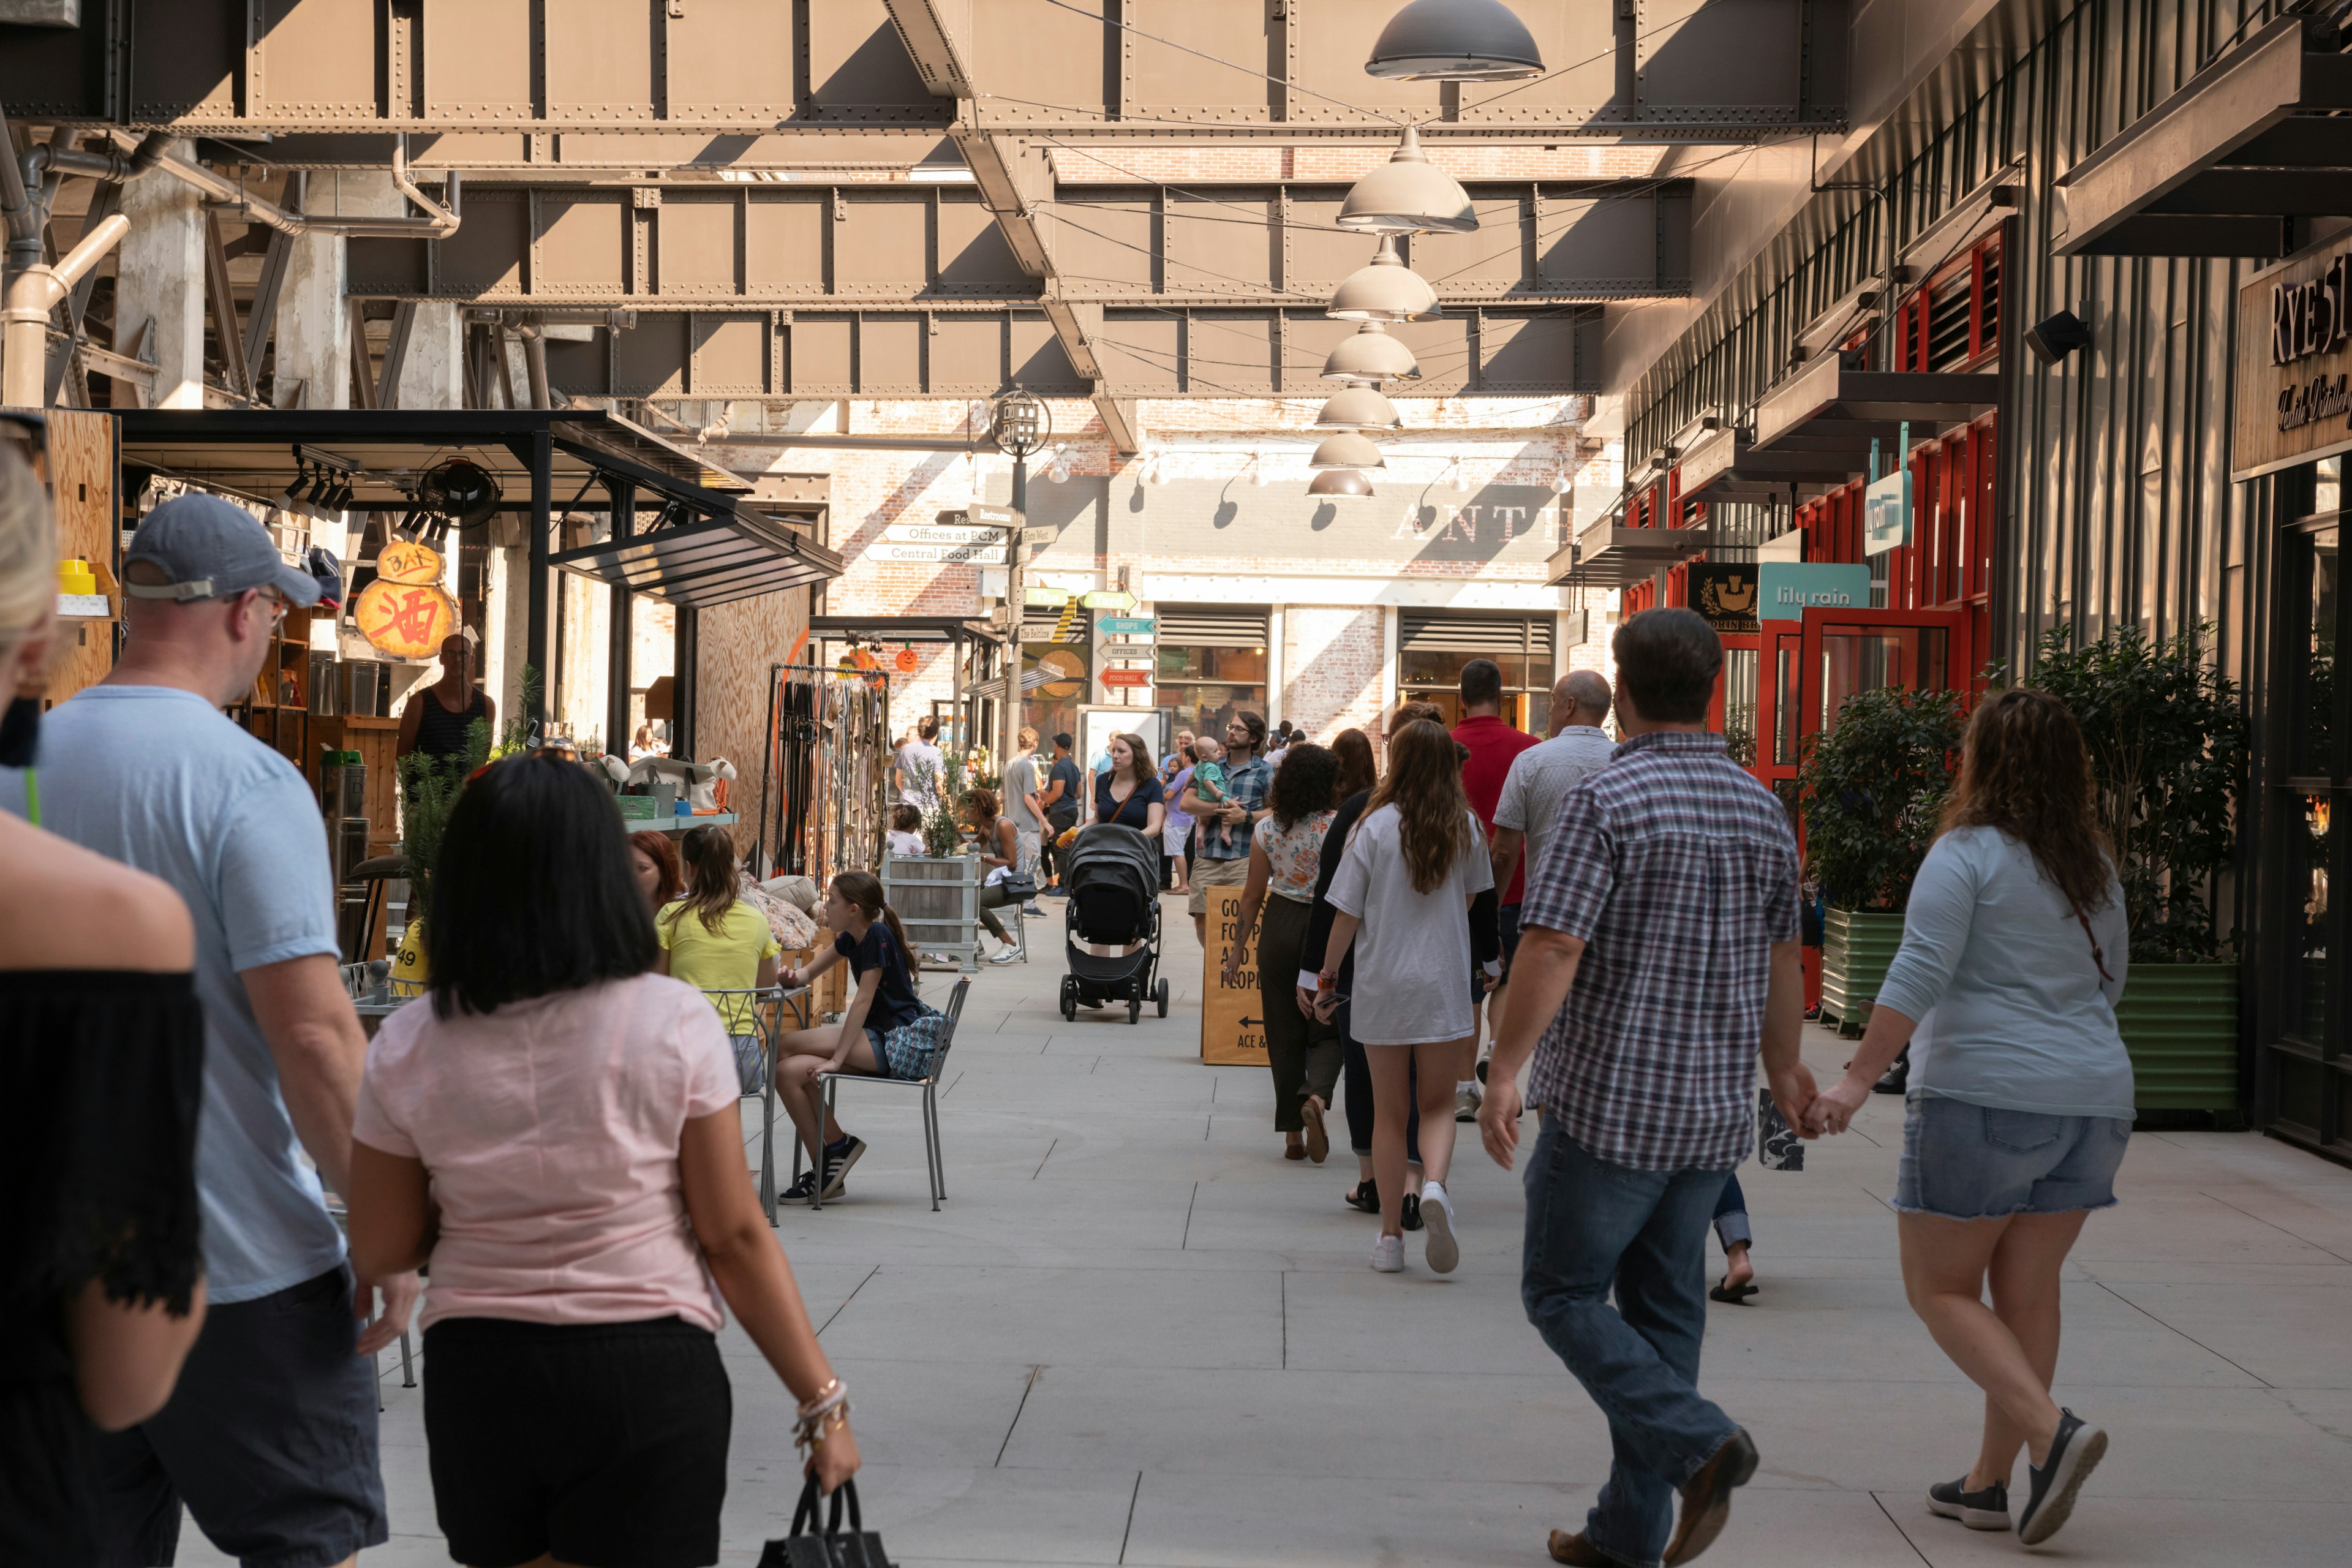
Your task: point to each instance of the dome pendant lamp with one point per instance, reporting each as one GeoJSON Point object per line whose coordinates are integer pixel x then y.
{"type": "Point", "coordinates": [1371, 356]}
{"type": "Point", "coordinates": [1408, 193]}
{"type": "Point", "coordinates": [1359, 408]}
{"type": "Point", "coordinates": [1339, 482]}
{"type": "Point", "coordinates": [1347, 449]}
{"type": "Point", "coordinates": [1454, 41]}
{"type": "Point", "coordinates": [1386, 291]}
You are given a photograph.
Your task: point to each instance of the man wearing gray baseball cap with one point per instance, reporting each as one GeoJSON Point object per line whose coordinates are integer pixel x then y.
{"type": "Point", "coordinates": [269, 1438]}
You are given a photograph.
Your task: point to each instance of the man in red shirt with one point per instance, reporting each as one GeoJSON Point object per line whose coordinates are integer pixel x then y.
{"type": "Point", "coordinates": [1492, 744]}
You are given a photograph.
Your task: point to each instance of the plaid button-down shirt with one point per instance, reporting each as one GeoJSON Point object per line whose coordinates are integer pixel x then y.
{"type": "Point", "coordinates": [1246, 785]}
{"type": "Point", "coordinates": [1678, 872]}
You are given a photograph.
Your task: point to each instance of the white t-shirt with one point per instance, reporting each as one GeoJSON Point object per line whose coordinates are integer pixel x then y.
{"type": "Point", "coordinates": [1412, 953]}
{"type": "Point", "coordinates": [920, 764]}
{"type": "Point", "coordinates": [906, 843]}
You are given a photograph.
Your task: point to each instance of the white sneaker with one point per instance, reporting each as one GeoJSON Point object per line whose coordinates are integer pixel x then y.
{"type": "Point", "coordinates": [1466, 1096]}
{"type": "Point", "coordinates": [1388, 1255]}
{"type": "Point", "coordinates": [1007, 956]}
{"type": "Point", "coordinates": [1444, 1252]}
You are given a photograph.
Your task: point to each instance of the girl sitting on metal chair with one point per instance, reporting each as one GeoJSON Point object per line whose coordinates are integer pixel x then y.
{"type": "Point", "coordinates": [715, 939]}
{"type": "Point", "coordinates": [886, 1030]}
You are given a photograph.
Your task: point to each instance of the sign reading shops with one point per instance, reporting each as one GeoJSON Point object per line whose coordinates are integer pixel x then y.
{"type": "Point", "coordinates": [2293, 393]}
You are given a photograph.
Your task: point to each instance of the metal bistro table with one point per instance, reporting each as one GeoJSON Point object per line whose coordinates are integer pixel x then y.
{"type": "Point", "coordinates": [376, 996]}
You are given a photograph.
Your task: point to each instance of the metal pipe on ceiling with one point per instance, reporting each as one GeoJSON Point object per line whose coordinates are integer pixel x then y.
{"type": "Point", "coordinates": [32, 294]}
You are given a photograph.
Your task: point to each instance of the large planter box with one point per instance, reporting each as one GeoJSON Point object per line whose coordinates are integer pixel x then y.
{"type": "Point", "coordinates": [937, 901]}
{"type": "Point", "coordinates": [2179, 1022]}
{"type": "Point", "coordinates": [1856, 947]}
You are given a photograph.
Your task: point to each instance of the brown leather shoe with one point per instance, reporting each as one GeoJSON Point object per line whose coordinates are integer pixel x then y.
{"type": "Point", "coordinates": [1706, 1498]}
{"type": "Point", "coordinates": [1295, 1151]}
{"type": "Point", "coordinates": [1318, 1140]}
{"type": "Point", "coordinates": [1574, 1549]}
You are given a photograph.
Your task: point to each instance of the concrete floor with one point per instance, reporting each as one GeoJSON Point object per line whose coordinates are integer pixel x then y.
{"type": "Point", "coordinates": [1137, 1335]}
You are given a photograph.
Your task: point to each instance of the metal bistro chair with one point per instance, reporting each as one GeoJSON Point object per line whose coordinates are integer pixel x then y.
{"type": "Point", "coordinates": [767, 1004]}
{"type": "Point", "coordinates": [928, 1083]}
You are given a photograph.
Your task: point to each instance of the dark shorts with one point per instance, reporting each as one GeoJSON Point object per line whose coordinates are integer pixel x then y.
{"type": "Point", "coordinates": [603, 1443]}
{"type": "Point", "coordinates": [1972, 1162]}
{"type": "Point", "coordinates": [269, 1438]}
{"type": "Point", "coordinates": [1510, 924]}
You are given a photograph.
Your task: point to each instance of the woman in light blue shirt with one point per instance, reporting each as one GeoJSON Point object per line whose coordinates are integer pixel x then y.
{"type": "Point", "coordinates": [2020, 1100]}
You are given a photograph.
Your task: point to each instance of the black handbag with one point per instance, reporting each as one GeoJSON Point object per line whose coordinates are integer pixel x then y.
{"type": "Point", "coordinates": [805, 1547]}
{"type": "Point", "coordinates": [1019, 886]}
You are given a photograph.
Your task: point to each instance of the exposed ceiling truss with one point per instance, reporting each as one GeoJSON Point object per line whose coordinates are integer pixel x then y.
{"type": "Point", "coordinates": [766, 70]}
{"type": "Point", "coordinates": [813, 198]}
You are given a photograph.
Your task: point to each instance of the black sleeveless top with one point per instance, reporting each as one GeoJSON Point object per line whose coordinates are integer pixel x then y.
{"type": "Point", "coordinates": [100, 1076]}
{"type": "Point", "coordinates": [441, 734]}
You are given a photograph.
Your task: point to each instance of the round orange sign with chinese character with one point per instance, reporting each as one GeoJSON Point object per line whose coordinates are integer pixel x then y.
{"type": "Point", "coordinates": [406, 620]}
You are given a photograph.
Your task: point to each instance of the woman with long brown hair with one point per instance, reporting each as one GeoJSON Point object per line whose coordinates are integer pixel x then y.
{"type": "Point", "coordinates": [653, 860]}
{"type": "Point", "coordinates": [719, 941]}
{"type": "Point", "coordinates": [2021, 1095]}
{"type": "Point", "coordinates": [1286, 852]}
{"type": "Point", "coordinates": [867, 935]}
{"type": "Point", "coordinates": [1000, 850]}
{"type": "Point", "coordinates": [1405, 883]}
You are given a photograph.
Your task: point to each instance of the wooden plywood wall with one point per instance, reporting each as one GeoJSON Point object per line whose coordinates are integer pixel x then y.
{"type": "Point", "coordinates": [81, 486]}
{"type": "Point", "coordinates": [737, 643]}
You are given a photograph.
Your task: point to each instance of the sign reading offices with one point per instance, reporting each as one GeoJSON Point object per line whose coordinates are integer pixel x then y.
{"type": "Point", "coordinates": [2293, 387]}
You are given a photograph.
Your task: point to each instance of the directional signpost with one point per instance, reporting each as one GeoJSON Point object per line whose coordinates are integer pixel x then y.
{"type": "Point", "coordinates": [1126, 626]}
{"type": "Point", "coordinates": [941, 554]}
{"type": "Point", "coordinates": [1108, 599]}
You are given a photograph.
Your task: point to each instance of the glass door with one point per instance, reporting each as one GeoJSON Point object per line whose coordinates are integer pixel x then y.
{"type": "Point", "coordinates": [2304, 1066]}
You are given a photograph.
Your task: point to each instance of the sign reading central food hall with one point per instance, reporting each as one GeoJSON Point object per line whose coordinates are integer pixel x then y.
{"type": "Point", "coordinates": [2294, 391]}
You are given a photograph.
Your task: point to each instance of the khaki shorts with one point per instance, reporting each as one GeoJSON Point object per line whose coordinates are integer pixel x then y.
{"type": "Point", "coordinates": [1207, 874]}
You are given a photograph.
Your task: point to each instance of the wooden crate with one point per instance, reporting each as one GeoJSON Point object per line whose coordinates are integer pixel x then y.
{"type": "Point", "coordinates": [375, 740]}
{"type": "Point", "coordinates": [937, 901]}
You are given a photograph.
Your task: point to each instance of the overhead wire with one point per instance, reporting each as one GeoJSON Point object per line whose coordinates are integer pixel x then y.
{"type": "Point", "coordinates": [1125, 27]}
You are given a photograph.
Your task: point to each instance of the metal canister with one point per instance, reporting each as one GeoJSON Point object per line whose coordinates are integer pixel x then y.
{"type": "Point", "coordinates": [324, 688]}
{"type": "Point", "coordinates": [342, 786]}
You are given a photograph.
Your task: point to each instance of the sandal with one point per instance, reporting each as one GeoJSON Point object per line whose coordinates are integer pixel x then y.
{"type": "Point", "coordinates": [1366, 1197]}
{"type": "Point", "coordinates": [1725, 1290]}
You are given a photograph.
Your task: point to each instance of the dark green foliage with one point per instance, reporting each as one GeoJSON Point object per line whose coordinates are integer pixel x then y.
{"type": "Point", "coordinates": [427, 793]}
{"type": "Point", "coordinates": [1871, 790]}
{"type": "Point", "coordinates": [2168, 752]}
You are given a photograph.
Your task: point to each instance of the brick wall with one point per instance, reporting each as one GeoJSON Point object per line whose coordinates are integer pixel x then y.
{"type": "Point", "coordinates": [1331, 659]}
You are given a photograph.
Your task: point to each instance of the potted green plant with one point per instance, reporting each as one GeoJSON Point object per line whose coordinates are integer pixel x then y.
{"type": "Point", "coordinates": [2167, 739]}
{"type": "Point", "coordinates": [1870, 790]}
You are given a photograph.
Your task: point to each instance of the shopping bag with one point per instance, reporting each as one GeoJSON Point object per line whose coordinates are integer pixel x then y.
{"type": "Point", "coordinates": [806, 1547]}
{"type": "Point", "coordinates": [1778, 1148]}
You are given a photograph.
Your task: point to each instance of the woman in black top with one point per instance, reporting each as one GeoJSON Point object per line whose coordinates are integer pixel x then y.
{"type": "Point", "coordinates": [437, 717]}
{"type": "Point", "coordinates": [1129, 793]}
{"type": "Point", "coordinates": [102, 1058]}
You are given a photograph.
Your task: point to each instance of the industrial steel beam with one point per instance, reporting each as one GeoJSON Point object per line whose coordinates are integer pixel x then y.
{"type": "Point", "coordinates": [1691, 70]}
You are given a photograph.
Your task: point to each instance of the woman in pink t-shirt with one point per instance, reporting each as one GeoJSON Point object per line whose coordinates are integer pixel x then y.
{"type": "Point", "coordinates": [554, 1131]}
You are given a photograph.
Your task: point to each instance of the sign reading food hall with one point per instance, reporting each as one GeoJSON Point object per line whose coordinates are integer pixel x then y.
{"type": "Point", "coordinates": [2293, 395]}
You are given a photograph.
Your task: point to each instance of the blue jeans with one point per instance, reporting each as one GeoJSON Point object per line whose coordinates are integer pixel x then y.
{"type": "Point", "coordinates": [1592, 1225]}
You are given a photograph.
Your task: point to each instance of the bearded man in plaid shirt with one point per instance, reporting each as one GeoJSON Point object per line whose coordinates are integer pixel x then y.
{"type": "Point", "coordinates": [1658, 954]}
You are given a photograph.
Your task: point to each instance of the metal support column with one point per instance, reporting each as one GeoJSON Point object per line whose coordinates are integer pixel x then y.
{"type": "Point", "coordinates": [624, 626]}
{"type": "Point", "coordinates": [538, 647]}
{"type": "Point", "coordinates": [683, 684]}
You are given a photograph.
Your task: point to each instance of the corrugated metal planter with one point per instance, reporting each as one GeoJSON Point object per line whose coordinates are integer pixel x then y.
{"type": "Point", "coordinates": [2179, 1022]}
{"type": "Point", "coordinates": [1856, 947]}
{"type": "Point", "coordinates": [937, 901]}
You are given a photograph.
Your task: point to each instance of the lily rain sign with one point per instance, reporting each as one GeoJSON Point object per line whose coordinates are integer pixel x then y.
{"type": "Point", "coordinates": [2294, 391]}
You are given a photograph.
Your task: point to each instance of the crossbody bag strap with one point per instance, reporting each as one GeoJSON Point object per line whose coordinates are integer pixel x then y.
{"type": "Point", "coordinates": [2097, 956]}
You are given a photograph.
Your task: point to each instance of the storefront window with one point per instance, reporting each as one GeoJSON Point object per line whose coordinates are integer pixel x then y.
{"type": "Point", "coordinates": [1436, 675]}
{"type": "Point", "coordinates": [2312, 740]}
{"type": "Point", "coordinates": [1740, 705]}
{"type": "Point", "coordinates": [1055, 678]}
{"type": "Point", "coordinates": [1863, 659]}
{"type": "Point", "coordinates": [1207, 685]}
{"type": "Point", "coordinates": [2308, 1011]}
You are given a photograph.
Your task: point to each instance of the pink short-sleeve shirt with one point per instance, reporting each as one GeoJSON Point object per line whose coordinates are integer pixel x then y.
{"type": "Point", "coordinates": [550, 1129]}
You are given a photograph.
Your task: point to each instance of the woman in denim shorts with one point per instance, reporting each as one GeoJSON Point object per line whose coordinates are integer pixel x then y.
{"type": "Point", "coordinates": [2021, 1093]}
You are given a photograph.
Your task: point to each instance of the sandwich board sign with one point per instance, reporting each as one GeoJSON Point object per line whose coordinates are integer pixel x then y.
{"type": "Point", "coordinates": [1233, 1018]}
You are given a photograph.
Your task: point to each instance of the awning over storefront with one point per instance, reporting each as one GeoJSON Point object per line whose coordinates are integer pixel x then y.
{"type": "Point", "coordinates": [1822, 420]}
{"type": "Point", "coordinates": [2228, 164]}
{"type": "Point", "coordinates": [1610, 555]}
{"type": "Point", "coordinates": [904, 629]}
{"type": "Point", "coordinates": [1724, 465]}
{"type": "Point", "coordinates": [738, 554]}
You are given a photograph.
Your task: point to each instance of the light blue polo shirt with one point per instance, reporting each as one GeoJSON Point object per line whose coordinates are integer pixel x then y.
{"type": "Point", "coordinates": [160, 779]}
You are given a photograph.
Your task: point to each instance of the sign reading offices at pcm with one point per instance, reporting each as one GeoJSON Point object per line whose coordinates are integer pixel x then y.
{"type": "Point", "coordinates": [2292, 396]}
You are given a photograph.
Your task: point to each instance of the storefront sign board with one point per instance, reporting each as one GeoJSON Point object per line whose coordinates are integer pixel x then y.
{"type": "Point", "coordinates": [1722, 591]}
{"type": "Point", "coordinates": [1787, 592]}
{"type": "Point", "coordinates": [2292, 396]}
{"type": "Point", "coordinates": [1886, 514]}
{"type": "Point", "coordinates": [946, 554]}
{"type": "Point", "coordinates": [1233, 1018]}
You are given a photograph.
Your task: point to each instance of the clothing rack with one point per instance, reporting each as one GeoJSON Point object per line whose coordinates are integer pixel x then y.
{"type": "Point", "coordinates": [824, 773]}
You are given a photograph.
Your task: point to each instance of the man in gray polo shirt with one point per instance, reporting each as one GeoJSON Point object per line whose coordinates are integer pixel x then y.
{"type": "Point", "coordinates": [1022, 805]}
{"type": "Point", "coordinates": [1539, 779]}
{"type": "Point", "coordinates": [269, 1439]}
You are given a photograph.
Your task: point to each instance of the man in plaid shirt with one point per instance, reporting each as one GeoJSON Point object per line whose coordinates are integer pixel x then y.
{"type": "Point", "coordinates": [1658, 952]}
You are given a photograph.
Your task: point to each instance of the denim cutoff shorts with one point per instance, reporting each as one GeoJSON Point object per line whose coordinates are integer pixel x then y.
{"type": "Point", "coordinates": [1972, 1162]}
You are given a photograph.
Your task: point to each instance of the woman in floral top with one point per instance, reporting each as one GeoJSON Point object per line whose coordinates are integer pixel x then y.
{"type": "Point", "coordinates": [1286, 852]}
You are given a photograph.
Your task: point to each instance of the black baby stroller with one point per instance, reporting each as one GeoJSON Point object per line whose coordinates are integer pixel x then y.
{"type": "Point", "coordinates": [1113, 878]}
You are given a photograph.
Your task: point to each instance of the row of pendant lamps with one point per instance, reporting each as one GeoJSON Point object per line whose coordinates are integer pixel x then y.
{"type": "Point", "coordinates": [1427, 41]}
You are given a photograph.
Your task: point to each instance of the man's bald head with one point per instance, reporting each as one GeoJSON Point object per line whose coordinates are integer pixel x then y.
{"type": "Point", "coordinates": [1579, 697]}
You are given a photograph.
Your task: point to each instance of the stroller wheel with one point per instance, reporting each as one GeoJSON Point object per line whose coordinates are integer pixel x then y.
{"type": "Point", "coordinates": [1134, 1009]}
{"type": "Point", "coordinates": [1161, 992]}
